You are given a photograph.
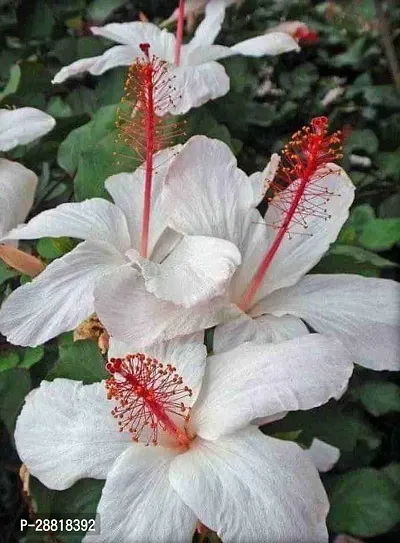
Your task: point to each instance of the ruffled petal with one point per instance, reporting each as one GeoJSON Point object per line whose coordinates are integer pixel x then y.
{"type": "Point", "coordinates": [17, 189]}
{"type": "Point", "coordinates": [323, 455]}
{"type": "Point", "coordinates": [162, 43]}
{"type": "Point", "coordinates": [119, 55]}
{"type": "Point", "coordinates": [127, 191]}
{"type": "Point", "coordinates": [208, 193]}
{"type": "Point", "coordinates": [196, 85]}
{"type": "Point", "coordinates": [131, 314]}
{"type": "Point", "coordinates": [198, 269]}
{"type": "Point", "coordinates": [274, 43]}
{"type": "Point", "coordinates": [23, 125]}
{"type": "Point", "coordinates": [250, 487]}
{"type": "Point", "coordinates": [265, 329]}
{"type": "Point", "coordinates": [60, 297]}
{"type": "Point", "coordinates": [66, 432]}
{"type": "Point", "coordinates": [94, 220]}
{"type": "Point", "coordinates": [254, 381]}
{"type": "Point", "coordinates": [138, 503]}
{"type": "Point", "coordinates": [211, 25]}
{"type": "Point", "coordinates": [362, 312]}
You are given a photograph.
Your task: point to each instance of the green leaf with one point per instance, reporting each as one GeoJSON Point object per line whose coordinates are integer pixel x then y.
{"type": "Point", "coordinates": [51, 248]}
{"type": "Point", "coordinates": [379, 397]}
{"type": "Point", "coordinates": [99, 10]}
{"type": "Point", "coordinates": [363, 503]}
{"type": "Point", "coordinates": [15, 384]}
{"type": "Point", "coordinates": [36, 19]}
{"type": "Point", "coordinates": [32, 355]}
{"type": "Point", "coordinates": [81, 361]}
{"type": "Point", "coordinates": [381, 234]}
{"type": "Point", "coordinates": [389, 165]}
{"type": "Point", "coordinates": [6, 273]}
{"type": "Point", "coordinates": [8, 359]}
{"type": "Point", "coordinates": [88, 152]}
{"type": "Point", "coordinates": [392, 471]}
{"type": "Point", "coordinates": [78, 502]}
{"type": "Point", "coordinates": [12, 83]}
{"type": "Point", "coordinates": [389, 208]}
{"type": "Point", "coordinates": [362, 256]}
{"type": "Point", "coordinates": [362, 140]}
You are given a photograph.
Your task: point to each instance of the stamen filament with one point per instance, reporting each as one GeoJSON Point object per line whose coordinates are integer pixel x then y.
{"type": "Point", "coordinates": [150, 147]}
{"type": "Point", "coordinates": [306, 155]}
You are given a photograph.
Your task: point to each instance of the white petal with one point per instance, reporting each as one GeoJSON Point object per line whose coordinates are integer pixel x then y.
{"type": "Point", "coordinates": [208, 193]}
{"type": "Point", "coordinates": [131, 314]}
{"type": "Point", "coordinates": [60, 297]}
{"type": "Point", "coordinates": [94, 220]}
{"type": "Point", "coordinates": [127, 191]}
{"type": "Point", "coordinates": [187, 354]}
{"type": "Point", "coordinates": [17, 189]}
{"type": "Point", "coordinates": [23, 125]}
{"type": "Point", "coordinates": [139, 505]}
{"type": "Point", "coordinates": [274, 43]}
{"type": "Point", "coordinates": [194, 55]}
{"type": "Point", "coordinates": [323, 455]}
{"type": "Point", "coordinates": [300, 251]}
{"type": "Point", "coordinates": [260, 181]}
{"type": "Point", "coordinates": [66, 432]}
{"type": "Point", "coordinates": [196, 85]}
{"type": "Point", "coordinates": [161, 42]}
{"type": "Point", "coordinates": [264, 329]}
{"type": "Point", "coordinates": [210, 26]}
{"type": "Point", "coordinates": [119, 55]}
{"type": "Point", "coordinates": [254, 381]}
{"type": "Point", "coordinates": [198, 269]}
{"type": "Point", "coordinates": [252, 488]}
{"type": "Point", "coordinates": [362, 312]}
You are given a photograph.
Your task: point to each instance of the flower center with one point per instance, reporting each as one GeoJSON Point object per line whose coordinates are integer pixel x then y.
{"type": "Point", "coordinates": [149, 398]}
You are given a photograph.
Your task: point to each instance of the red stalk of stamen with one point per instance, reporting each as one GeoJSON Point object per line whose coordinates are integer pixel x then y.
{"type": "Point", "coordinates": [179, 31]}
{"type": "Point", "coordinates": [149, 129]}
{"type": "Point", "coordinates": [144, 126]}
{"type": "Point", "coordinates": [303, 161]}
{"type": "Point", "coordinates": [148, 394]}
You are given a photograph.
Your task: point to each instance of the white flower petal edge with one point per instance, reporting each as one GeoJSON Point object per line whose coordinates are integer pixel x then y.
{"type": "Point", "coordinates": [196, 85]}
{"type": "Point", "coordinates": [323, 455]}
{"type": "Point", "coordinates": [66, 432]}
{"type": "Point", "coordinates": [138, 504]}
{"type": "Point", "coordinates": [60, 297]}
{"type": "Point", "coordinates": [198, 269]}
{"type": "Point", "coordinates": [362, 312]}
{"type": "Point", "coordinates": [274, 43]}
{"type": "Point", "coordinates": [132, 314]}
{"type": "Point", "coordinates": [247, 486]}
{"type": "Point", "coordinates": [187, 354]}
{"type": "Point", "coordinates": [23, 125]}
{"type": "Point", "coordinates": [93, 220]}
{"type": "Point", "coordinates": [17, 190]}
{"type": "Point", "coordinates": [265, 329]}
{"type": "Point", "coordinates": [254, 381]}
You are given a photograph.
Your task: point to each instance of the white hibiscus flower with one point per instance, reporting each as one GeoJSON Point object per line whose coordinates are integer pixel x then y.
{"type": "Point", "coordinates": [192, 270]}
{"type": "Point", "coordinates": [17, 183]}
{"type": "Point", "coordinates": [210, 464]}
{"type": "Point", "coordinates": [197, 77]}
{"type": "Point", "coordinates": [210, 196]}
